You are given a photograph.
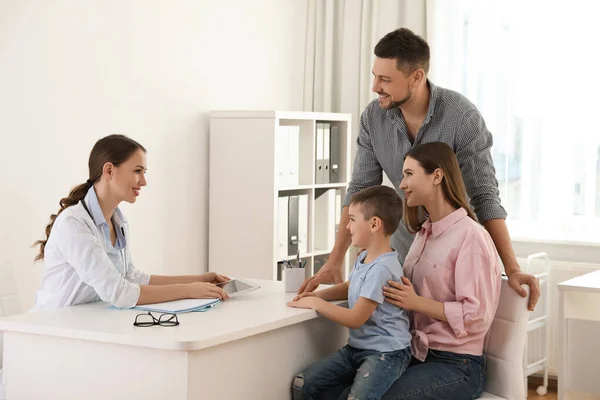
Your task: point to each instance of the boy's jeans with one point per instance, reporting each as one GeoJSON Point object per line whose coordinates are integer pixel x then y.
{"type": "Point", "coordinates": [370, 373]}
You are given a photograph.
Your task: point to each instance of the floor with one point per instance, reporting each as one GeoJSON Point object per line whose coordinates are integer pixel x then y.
{"type": "Point", "coordinates": [532, 395]}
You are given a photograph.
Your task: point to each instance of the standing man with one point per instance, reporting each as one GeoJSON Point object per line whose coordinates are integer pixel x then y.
{"type": "Point", "coordinates": [410, 111]}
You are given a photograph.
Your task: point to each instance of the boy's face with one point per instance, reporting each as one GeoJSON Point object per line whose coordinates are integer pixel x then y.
{"type": "Point", "coordinates": [359, 228]}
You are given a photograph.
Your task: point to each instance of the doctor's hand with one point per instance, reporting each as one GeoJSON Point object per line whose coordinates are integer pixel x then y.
{"type": "Point", "coordinates": [213, 277]}
{"type": "Point", "coordinates": [206, 290]}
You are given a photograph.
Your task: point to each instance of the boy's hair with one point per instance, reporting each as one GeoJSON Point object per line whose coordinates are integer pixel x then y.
{"type": "Point", "coordinates": [382, 202]}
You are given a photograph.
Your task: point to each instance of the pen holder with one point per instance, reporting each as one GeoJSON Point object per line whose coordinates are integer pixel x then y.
{"type": "Point", "coordinates": [292, 279]}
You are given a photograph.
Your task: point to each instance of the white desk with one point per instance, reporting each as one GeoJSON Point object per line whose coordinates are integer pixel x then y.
{"type": "Point", "coordinates": [248, 347]}
{"type": "Point", "coordinates": [579, 325]}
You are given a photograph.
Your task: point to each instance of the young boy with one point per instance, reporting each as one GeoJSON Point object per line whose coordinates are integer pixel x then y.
{"type": "Point", "coordinates": [378, 349]}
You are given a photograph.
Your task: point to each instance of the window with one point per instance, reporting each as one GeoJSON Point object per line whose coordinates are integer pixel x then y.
{"type": "Point", "coordinates": [530, 67]}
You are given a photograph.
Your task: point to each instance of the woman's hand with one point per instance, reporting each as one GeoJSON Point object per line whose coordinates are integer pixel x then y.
{"type": "Point", "coordinates": [402, 295]}
{"type": "Point", "coordinates": [213, 277]}
{"type": "Point", "coordinates": [308, 301]}
{"type": "Point", "coordinates": [206, 290]}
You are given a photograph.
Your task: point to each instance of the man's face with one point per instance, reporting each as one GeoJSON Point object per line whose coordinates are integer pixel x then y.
{"type": "Point", "coordinates": [392, 85]}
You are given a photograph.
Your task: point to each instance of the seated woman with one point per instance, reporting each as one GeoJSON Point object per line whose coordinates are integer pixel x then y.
{"type": "Point", "coordinates": [86, 251]}
{"type": "Point", "coordinates": [451, 284]}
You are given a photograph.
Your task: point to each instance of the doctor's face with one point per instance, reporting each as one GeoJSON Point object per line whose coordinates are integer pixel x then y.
{"type": "Point", "coordinates": [129, 177]}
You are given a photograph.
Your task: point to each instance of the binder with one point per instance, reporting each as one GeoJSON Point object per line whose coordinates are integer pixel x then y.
{"type": "Point", "coordinates": [293, 155]}
{"type": "Point", "coordinates": [282, 148]}
{"type": "Point", "coordinates": [326, 149]}
{"type": "Point", "coordinates": [282, 228]}
{"type": "Point", "coordinates": [334, 154]}
{"type": "Point", "coordinates": [338, 209]}
{"type": "Point", "coordinates": [292, 243]}
{"type": "Point", "coordinates": [319, 262]}
{"type": "Point", "coordinates": [280, 268]}
{"type": "Point", "coordinates": [319, 154]}
{"type": "Point", "coordinates": [303, 223]}
{"type": "Point", "coordinates": [324, 232]}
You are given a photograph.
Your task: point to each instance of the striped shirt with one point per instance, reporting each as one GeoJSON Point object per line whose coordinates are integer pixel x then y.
{"type": "Point", "coordinates": [383, 141]}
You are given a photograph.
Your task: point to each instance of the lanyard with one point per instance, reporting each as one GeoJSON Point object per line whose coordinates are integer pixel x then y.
{"type": "Point", "coordinates": [122, 251]}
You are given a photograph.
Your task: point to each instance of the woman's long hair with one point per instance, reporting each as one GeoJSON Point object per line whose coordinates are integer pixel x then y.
{"type": "Point", "coordinates": [432, 156]}
{"type": "Point", "coordinates": [115, 149]}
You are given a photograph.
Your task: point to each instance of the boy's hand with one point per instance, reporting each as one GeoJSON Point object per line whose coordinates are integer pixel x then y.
{"type": "Point", "coordinates": [305, 302]}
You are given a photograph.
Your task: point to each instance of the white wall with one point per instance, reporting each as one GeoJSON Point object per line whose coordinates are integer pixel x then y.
{"type": "Point", "coordinates": [73, 71]}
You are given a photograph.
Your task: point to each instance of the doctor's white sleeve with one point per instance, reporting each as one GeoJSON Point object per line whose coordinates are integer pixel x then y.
{"type": "Point", "coordinates": [81, 249]}
{"type": "Point", "coordinates": [135, 275]}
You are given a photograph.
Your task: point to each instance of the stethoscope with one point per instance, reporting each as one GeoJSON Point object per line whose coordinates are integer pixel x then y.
{"type": "Point", "coordinates": [122, 251]}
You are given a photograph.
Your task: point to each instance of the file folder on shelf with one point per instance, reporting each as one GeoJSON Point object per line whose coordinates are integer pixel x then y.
{"type": "Point", "coordinates": [293, 153]}
{"type": "Point", "coordinates": [338, 209]}
{"type": "Point", "coordinates": [303, 223]}
{"type": "Point", "coordinates": [319, 177]}
{"type": "Point", "coordinates": [324, 231]}
{"type": "Point", "coordinates": [293, 237]}
{"type": "Point", "coordinates": [326, 150]}
{"type": "Point", "coordinates": [319, 262]}
{"type": "Point", "coordinates": [287, 146]}
{"type": "Point", "coordinates": [281, 148]}
{"type": "Point", "coordinates": [282, 228]}
{"type": "Point", "coordinates": [334, 154]}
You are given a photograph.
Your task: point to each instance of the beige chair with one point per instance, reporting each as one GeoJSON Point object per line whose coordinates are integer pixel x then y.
{"type": "Point", "coordinates": [9, 305]}
{"type": "Point", "coordinates": [505, 345]}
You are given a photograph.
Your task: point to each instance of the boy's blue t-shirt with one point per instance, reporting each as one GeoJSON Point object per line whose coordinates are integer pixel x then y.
{"type": "Point", "coordinates": [388, 327]}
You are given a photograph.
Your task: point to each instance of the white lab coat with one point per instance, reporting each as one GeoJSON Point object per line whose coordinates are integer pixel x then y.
{"type": "Point", "coordinates": [78, 269]}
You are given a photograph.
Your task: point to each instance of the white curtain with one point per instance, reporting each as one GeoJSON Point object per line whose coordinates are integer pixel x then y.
{"type": "Point", "coordinates": [340, 43]}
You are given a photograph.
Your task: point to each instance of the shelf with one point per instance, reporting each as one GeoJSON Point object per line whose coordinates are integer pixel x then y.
{"type": "Point", "coordinates": [308, 187]}
{"type": "Point", "coordinates": [295, 187]}
{"type": "Point", "coordinates": [249, 148]}
{"type": "Point", "coordinates": [296, 115]}
{"type": "Point", "coordinates": [331, 185]}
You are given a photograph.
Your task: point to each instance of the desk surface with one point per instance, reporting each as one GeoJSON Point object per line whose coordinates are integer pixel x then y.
{"type": "Point", "coordinates": [584, 283]}
{"type": "Point", "coordinates": [259, 311]}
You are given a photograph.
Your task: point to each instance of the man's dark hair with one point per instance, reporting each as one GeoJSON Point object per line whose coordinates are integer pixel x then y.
{"type": "Point", "coordinates": [410, 51]}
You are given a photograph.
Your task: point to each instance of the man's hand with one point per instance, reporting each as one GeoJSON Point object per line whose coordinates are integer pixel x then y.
{"type": "Point", "coordinates": [306, 294]}
{"type": "Point", "coordinates": [329, 273]}
{"type": "Point", "coordinates": [518, 278]}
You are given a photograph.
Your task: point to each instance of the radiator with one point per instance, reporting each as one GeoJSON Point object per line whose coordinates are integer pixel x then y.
{"type": "Point", "coordinates": [560, 271]}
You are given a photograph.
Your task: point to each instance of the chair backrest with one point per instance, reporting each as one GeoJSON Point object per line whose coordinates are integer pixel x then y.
{"type": "Point", "coordinates": [9, 301]}
{"type": "Point", "coordinates": [505, 344]}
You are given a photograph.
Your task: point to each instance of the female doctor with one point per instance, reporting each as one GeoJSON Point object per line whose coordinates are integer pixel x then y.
{"type": "Point", "coordinates": [86, 254]}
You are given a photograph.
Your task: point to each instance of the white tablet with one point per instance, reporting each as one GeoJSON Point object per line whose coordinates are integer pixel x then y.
{"type": "Point", "coordinates": [237, 286]}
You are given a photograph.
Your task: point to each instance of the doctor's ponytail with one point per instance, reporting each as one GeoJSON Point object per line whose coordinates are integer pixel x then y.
{"type": "Point", "coordinates": [76, 195]}
{"type": "Point", "coordinates": [114, 149]}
